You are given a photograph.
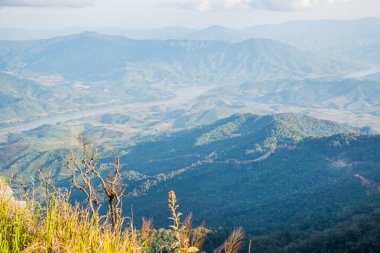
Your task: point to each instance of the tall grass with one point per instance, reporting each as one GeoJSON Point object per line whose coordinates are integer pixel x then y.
{"type": "Point", "coordinates": [59, 227]}
{"type": "Point", "coordinates": [16, 227]}
{"type": "Point", "coordinates": [187, 239]}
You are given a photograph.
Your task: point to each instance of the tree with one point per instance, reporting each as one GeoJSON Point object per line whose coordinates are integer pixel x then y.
{"type": "Point", "coordinates": [86, 169]}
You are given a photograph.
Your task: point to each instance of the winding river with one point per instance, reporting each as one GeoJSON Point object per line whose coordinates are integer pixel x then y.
{"type": "Point", "coordinates": [182, 96]}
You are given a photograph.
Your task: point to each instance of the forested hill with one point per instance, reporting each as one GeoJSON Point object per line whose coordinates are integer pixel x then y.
{"type": "Point", "coordinates": [285, 178]}
{"type": "Point", "coordinates": [243, 135]}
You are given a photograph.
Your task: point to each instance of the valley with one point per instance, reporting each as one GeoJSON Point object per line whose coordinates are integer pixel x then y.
{"type": "Point", "coordinates": [272, 128]}
{"type": "Point", "coordinates": [181, 96]}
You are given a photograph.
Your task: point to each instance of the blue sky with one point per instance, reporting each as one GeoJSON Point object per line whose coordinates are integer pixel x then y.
{"type": "Point", "coordinates": [58, 14]}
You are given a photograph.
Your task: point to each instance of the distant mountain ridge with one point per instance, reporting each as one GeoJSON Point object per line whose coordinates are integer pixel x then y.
{"type": "Point", "coordinates": [353, 94]}
{"type": "Point", "coordinates": [91, 56]}
{"type": "Point", "coordinates": [349, 39]}
{"type": "Point", "coordinates": [366, 27]}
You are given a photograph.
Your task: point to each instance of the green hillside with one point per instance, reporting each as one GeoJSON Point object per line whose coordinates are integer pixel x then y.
{"type": "Point", "coordinates": [246, 135]}
{"type": "Point", "coordinates": [276, 175]}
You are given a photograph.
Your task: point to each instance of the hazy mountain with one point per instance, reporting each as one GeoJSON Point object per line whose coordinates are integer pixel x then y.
{"type": "Point", "coordinates": [366, 53]}
{"type": "Point", "coordinates": [322, 34]}
{"type": "Point", "coordinates": [352, 94]}
{"type": "Point", "coordinates": [91, 56]}
{"type": "Point", "coordinates": [329, 37]}
{"type": "Point", "coordinates": [35, 97]}
{"type": "Point", "coordinates": [22, 98]}
{"type": "Point", "coordinates": [288, 31]}
{"type": "Point", "coordinates": [343, 100]}
{"type": "Point", "coordinates": [338, 38]}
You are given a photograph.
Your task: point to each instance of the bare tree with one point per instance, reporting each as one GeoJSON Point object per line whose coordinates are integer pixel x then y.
{"type": "Point", "coordinates": [47, 183]}
{"type": "Point", "coordinates": [84, 174]}
{"type": "Point", "coordinates": [112, 186]}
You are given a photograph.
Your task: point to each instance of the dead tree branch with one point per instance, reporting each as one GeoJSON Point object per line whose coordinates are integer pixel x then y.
{"type": "Point", "coordinates": [84, 174]}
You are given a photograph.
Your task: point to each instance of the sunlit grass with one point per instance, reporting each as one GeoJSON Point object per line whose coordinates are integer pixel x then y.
{"type": "Point", "coordinates": [59, 226]}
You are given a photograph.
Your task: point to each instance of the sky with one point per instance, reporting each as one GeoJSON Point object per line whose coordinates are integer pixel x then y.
{"type": "Point", "coordinates": [145, 14]}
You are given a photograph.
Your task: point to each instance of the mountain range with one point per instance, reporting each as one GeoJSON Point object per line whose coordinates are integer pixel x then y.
{"type": "Point", "coordinates": [327, 37]}
{"type": "Point", "coordinates": [94, 57]}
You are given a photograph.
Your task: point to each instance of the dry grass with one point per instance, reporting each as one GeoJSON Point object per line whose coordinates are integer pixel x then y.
{"type": "Point", "coordinates": [60, 227]}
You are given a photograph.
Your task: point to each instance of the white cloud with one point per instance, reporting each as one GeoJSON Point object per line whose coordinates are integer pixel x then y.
{"type": "Point", "coordinates": [274, 5]}
{"type": "Point", "coordinates": [289, 5]}
{"type": "Point", "coordinates": [46, 3]}
{"type": "Point", "coordinates": [205, 5]}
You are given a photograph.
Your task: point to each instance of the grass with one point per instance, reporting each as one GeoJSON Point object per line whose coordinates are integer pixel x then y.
{"type": "Point", "coordinates": [59, 226]}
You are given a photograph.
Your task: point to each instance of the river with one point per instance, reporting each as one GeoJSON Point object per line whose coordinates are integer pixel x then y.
{"type": "Point", "coordinates": [361, 73]}
{"type": "Point", "coordinates": [182, 96]}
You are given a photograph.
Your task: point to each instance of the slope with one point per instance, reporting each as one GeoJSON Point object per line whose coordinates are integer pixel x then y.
{"type": "Point", "coordinates": [282, 177]}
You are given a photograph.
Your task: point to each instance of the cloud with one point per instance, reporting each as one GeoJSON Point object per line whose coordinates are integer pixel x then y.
{"type": "Point", "coordinates": [206, 5]}
{"type": "Point", "coordinates": [290, 5]}
{"type": "Point", "coordinates": [46, 3]}
{"type": "Point", "coordinates": [274, 5]}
